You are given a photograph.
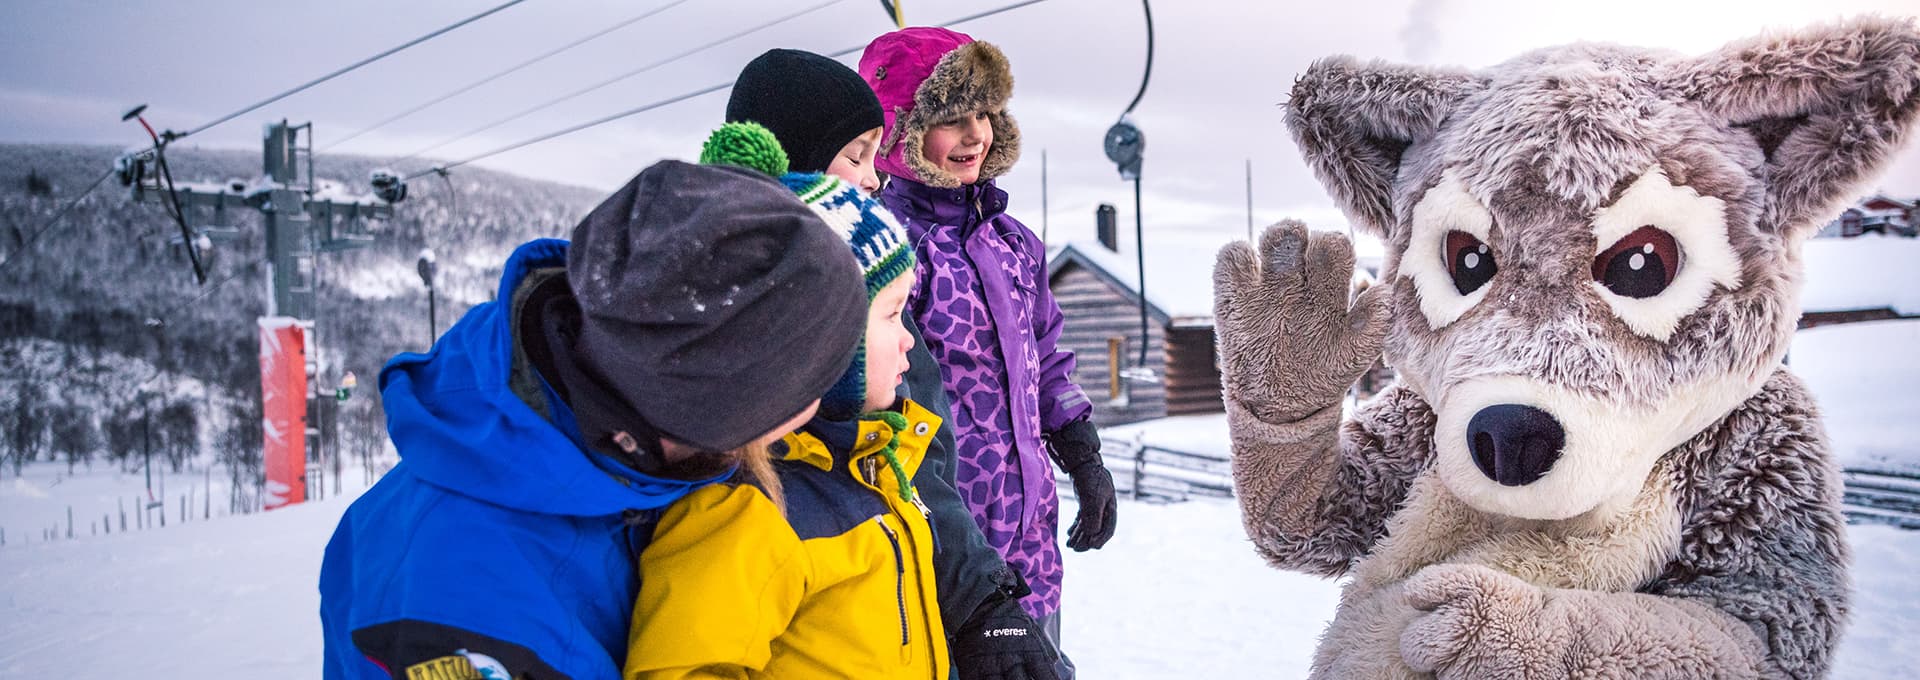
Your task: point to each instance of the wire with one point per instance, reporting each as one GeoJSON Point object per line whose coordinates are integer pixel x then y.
{"type": "Point", "coordinates": [590, 88]}
{"type": "Point", "coordinates": [27, 244]}
{"type": "Point", "coordinates": [343, 71]}
{"type": "Point", "coordinates": [179, 215]}
{"type": "Point", "coordinates": [483, 81]}
{"type": "Point", "coordinates": [1144, 6]}
{"type": "Point", "coordinates": [441, 169]}
{"type": "Point", "coordinates": [678, 98]}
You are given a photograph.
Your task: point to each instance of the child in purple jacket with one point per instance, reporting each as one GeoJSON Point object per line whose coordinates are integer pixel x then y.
{"type": "Point", "coordinates": [983, 304]}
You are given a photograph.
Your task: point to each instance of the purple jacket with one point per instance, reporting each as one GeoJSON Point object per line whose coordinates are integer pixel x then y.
{"type": "Point", "coordinates": [983, 304]}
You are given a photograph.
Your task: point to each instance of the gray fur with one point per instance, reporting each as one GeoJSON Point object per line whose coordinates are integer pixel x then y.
{"type": "Point", "coordinates": [1776, 132]}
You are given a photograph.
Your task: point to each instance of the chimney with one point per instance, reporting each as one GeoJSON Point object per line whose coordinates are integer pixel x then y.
{"type": "Point", "coordinates": [1107, 224]}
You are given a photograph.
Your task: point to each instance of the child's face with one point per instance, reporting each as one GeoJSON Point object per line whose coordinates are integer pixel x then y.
{"type": "Point", "coordinates": [887, 343]}
{"type": "Point", "coordinates": [957, 146]}
{"type": "Point", "coordinates": [854, 163]}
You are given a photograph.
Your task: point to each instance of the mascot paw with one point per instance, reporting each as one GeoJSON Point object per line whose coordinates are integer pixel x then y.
{"type": "Point", "coordinates": [1477, 622]}
{"type": "Point", "coordinates": [1290, 341]}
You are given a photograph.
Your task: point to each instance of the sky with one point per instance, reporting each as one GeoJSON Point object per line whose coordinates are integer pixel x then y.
{"type": "Point", "coordinates": [1220, 72]}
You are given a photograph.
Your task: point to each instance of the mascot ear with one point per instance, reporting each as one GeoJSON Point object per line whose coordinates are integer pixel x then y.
{"type": "Point", "coordinates": [1353, 121]}
{"type": "Point", "coordinates": [1826, 105]}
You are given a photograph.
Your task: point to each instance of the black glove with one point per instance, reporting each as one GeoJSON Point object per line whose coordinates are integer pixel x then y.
{"type": "Point", "coordinates": [1076, 449]}
{"type": "Point", "coordinates": [1001, 642]}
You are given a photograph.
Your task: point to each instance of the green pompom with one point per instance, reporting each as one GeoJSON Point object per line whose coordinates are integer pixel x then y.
{"type": "Point", "coordinates": [745, 144]}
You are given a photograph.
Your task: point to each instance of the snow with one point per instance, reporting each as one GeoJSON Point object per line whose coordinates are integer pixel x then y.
{"type": "Point", "coordinates": [1177, 593]}
{"type": "Point", "coordinates": [1866, 379]}
{"type": "Point", "coordinates": [1867, 272]}
{"type": "Point", "coordinates": [1204, 434]}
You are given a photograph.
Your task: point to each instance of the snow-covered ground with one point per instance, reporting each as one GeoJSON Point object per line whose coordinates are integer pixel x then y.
{"type": "Point", "coordinates": [1178, 593]}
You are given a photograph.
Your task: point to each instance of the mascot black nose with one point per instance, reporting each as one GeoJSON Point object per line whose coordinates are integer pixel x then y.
{"type": "Point", "coordinates": [1514, 445]}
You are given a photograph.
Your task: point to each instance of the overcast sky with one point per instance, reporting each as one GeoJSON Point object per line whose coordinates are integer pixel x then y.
{"type": "Point", "coordinates": [1220, 70]}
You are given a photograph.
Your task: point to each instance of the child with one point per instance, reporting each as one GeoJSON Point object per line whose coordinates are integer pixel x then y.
{"type": "Point", "coordinates": [825, 117]}
{"type": "Point", "coordinates": [835, 580]}
{"type": "Point", "coordinates": [982, 302]}
{"type": "Point", "coordinates": [827, 120]}
{"type": "Point", "coordinates": [543, 430]}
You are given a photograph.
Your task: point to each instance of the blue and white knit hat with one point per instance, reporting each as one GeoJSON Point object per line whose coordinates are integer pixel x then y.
{"type": "Point", "coordinates": [878, 241]}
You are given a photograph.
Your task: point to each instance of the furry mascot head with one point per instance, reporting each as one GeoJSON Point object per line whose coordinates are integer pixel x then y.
{"type": "Point", "coordinates": [1593, 458]}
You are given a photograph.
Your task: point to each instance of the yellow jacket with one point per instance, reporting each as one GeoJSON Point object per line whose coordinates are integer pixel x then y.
{"type": "Point", "coordinates": [840, 587]}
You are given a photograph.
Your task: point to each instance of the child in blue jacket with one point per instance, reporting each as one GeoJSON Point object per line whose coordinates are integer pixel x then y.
{"type": "Point", "coordinates": [543, 432]}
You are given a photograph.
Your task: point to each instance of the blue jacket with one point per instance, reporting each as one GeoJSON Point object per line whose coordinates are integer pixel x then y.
{"type": "Point", "coordinates": [498, 542]}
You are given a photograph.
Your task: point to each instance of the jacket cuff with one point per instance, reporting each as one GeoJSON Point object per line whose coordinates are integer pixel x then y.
{"type": "Point", "coordinates": [1075, 446]}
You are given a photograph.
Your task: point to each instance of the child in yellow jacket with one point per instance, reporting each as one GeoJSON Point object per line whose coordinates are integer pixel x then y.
{"type": "Point", "coordinates": [824, 568]}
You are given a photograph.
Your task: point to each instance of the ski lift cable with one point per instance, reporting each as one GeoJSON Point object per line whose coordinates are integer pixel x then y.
{"type": "Point", "coordinates": [170, 135]}
{"type": "Point", "coordinates": [629, 74]}
{"type": "Point", "coordinates": [1148, 73]}
{"type": "Point", "coordinates": [27, 244]}
{"type": "Point", "coordinates": [180, 216]}
{"type": "Point", "coordinates": [678, 98]}
{"type": "Point", "coordinates": [510, 70]}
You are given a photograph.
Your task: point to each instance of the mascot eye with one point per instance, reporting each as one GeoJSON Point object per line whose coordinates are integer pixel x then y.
{"type": "Point", "coordinates": [1469, 262]}
{"type": "Point", "coordinates": [1640, 265]}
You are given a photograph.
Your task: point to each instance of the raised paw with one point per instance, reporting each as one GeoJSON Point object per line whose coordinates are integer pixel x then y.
{"type": "Point", "coordinates": [1290, 342]}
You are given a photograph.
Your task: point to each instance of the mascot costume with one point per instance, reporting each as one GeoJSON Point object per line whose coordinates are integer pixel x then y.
{"type": "Point", "coordinates": [1594, 462]}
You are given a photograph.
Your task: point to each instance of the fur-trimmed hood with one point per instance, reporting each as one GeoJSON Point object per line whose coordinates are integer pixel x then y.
{"type": "Point", "coordinates": [925, 76]}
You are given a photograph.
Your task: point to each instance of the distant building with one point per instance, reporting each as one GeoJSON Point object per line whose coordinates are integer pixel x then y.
{"type": "Point", "coordinates": [1097, 287]}
{"type": "Point", "coordinates": [1876, 214]}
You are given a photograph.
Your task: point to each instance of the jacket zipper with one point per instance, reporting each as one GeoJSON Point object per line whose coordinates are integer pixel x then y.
{"type": "Point", "coordinates": [899, 577]}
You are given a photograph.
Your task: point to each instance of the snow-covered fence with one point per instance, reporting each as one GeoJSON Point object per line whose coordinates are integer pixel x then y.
{"type": "Point", "coordinates": [1880, 496]}
{"type": "Point", "coordinates": [1145, 471]}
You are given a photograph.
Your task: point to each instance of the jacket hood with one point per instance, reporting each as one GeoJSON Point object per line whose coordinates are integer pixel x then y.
{"type": "Point", "coordinates": [458, 425]}
{"type": "Point", "coordinates": [925, 76]}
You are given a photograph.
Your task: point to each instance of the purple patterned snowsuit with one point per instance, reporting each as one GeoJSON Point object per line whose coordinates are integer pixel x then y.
{"type": "Point", "coordinates": [983, 304]}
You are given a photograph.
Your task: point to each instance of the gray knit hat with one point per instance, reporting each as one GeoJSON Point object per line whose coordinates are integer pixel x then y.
{"type": "Point", "coordinates": [714, 305]}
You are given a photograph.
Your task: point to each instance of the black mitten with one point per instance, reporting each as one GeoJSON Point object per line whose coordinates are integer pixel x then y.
{"type": "Point", "coordinates": [1076, 449]}
{"type": "Point", "coordinates": [1001, 642]}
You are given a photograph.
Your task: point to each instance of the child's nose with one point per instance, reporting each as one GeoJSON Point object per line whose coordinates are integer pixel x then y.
{"type": "Point", "coordinates": [977, 129]}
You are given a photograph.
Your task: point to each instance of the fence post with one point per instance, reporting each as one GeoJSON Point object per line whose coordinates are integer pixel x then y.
{"type": "Point", "coordinates": [69, 521]}
{"type": "Point", "coordinates": [207, 498]}
{"type": "Point", "coordinates": [183, 509]}
{"type": "Point", "coordinates": [106, 520]}
{"type": "Point", "coordinates": [1139, 467]}
{"type": "Point", "coordinates": [122, 502]}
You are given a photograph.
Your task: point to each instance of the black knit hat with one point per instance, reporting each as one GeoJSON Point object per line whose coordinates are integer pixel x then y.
{"type": "Point", "coordinates": [813, 104]}
{"type": "Point", "coordinates": [713, 306]}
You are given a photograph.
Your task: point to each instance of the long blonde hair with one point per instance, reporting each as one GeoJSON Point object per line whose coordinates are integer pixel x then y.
{"type": "Point", "coordinates": [756, 468]}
